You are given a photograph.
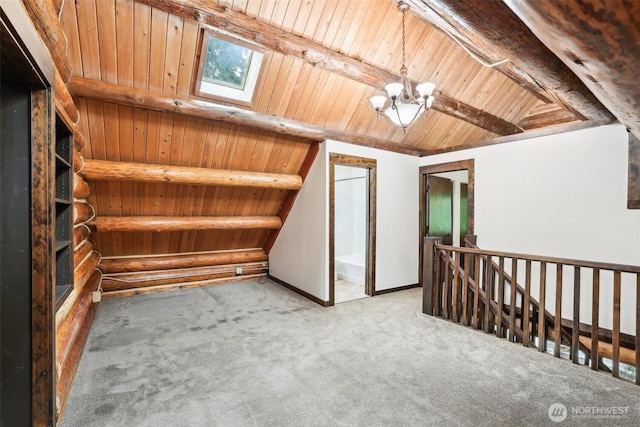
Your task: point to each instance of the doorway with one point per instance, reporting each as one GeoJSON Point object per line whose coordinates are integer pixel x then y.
{"type": "Point", "coordinates": [352, 228]}
{"type": "Point", "coordinates": [446, 203]}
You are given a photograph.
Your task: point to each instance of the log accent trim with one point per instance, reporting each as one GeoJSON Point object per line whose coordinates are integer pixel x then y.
{"type": "Point", "coordinates": [104, 170]}
{"type": "Point", "coordinates": [73, 354]}
{"type": "Point", "coordinates": [68, 330]}
{"type": "Point", "coordinates": [493, 27]}
{"type": "Point", "coordinates": [83, 251]}
{"type": "Point", "coordinates": [110, 265]}
{"type": "Point", "coordinates": [140, 98]}
{"type": "Point", "coordinates": [469, 114]}
{"type": "Point", "coordinates": [65, 101]}
{"type": "Point", "coordinates": [80, 234]}
{"type": "Point", "coordinates": [183, 223]}
{"type": "Point", "coordinates": [86, 269]}
{"type": "Point", "coordinates": [82, 212]}
{"type": "Point", "coordinates": [176, 286]}
{"type": "Point", "coordinates": [596, 40]}
{"type": "Point", "coordinates": [46, 22]}
{"type": "Point", "coordinates": [274, 38]}
{"type": "Point", "coordinates": [117, 282]}
{"type": "Point", "coordinates": [546, 119]}
{"type": "Point", "coordinates": [81, 189]}
{"type": "Point", "coordinates": [425, 13]}
{"type": "Point", "coordinates": [77, 160]}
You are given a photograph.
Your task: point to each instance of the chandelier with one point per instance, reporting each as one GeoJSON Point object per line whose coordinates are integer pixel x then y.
{"type": "Point", "coordinates": [404, 108]}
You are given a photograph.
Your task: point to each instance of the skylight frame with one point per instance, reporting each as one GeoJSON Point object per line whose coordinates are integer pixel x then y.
{"type": "Point", "coordinates": [221, 91]}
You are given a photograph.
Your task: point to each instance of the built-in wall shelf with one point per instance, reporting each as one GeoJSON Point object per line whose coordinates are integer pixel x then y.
{"type": "Point", "coordinates": [63, 212]}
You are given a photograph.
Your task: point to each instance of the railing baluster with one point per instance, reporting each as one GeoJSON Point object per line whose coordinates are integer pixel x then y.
{"type": "Point", "coordinates": [447, 284]}
{"type": "Point", "coordinates": [542, 322]}
{"type": "Point", "coordinates": [488, 284]}
{"type": "Point", "coordinates": [454, 287]}
{"type": "Point", "coordinates": [499, 327]}
{"type": "Point", "coordinates": [460, 272]}
{"type": "Point", "coordinates": [575, 333]}
{"type": "Point", "coordinates": [437, 286]}
{"type": "Point", "coordinates": [615, 371]}
{"type": "Point", "coordinates": [558, 317]}
{"type": "Point", "coordinates": [526, 300]}
{"type": "Point", "coordinates": [595, 315]}
{"type": "Point", "coordinates": [466, 261]}
{"type": "Point", "coordinates": [638, 328]}
{"type": "Point", "coordinates": [476, 291]}
{"type": "Point", "coordinates": [512, 302]}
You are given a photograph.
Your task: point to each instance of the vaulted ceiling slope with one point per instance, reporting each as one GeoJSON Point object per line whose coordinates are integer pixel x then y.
{"type": "Point", "coordinates": [134, 64]}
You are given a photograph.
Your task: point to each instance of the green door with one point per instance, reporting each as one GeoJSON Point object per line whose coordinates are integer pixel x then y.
{"type": "Point", "coordinates": [464, 211]}
{"type": "Point", "coordinates": [440, 208]}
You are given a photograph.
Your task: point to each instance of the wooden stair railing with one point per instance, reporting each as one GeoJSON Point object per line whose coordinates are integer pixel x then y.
{"type": "Point", "coordinates": [466, 285]}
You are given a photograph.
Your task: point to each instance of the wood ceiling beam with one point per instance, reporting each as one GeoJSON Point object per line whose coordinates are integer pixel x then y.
{"type": "Point", "coordinates": [598, 41]}
{"type": "Point", "coordinates": [237, 116]}
{"type": "Point", "coordinates": [274, 38]}
{"type": "Point", "coordinates": [547, 118]}
{"type": "Point", "coordinates": [493, 27]}
{"type": "Point", "coordinates": [105, 170]}
{"type": "Point", "coordinates": [182, 223]}
{"type": "Point", "coordinates": [524, 80]}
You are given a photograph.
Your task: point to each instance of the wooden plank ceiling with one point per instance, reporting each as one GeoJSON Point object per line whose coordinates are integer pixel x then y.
{"type": "Point", "coordinates": [139, 45]}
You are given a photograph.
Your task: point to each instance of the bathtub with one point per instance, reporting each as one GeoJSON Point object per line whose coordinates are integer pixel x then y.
{"type": "Point", "coordinates": [350, 267]}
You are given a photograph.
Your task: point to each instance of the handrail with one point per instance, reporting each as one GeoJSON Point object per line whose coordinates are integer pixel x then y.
{"type": "Point", "coordinates": [471, 286]}
{"type": "Point", "coordinates": [634, 269]}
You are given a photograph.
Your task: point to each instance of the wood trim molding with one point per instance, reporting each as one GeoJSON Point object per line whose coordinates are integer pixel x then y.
{"type": "Point", "coordinates": [371, 165]}
{"type": "Point", "coordinates": [469, 165]}
{"type": "Point", "coordinates": [399, 288]}
{"type": "Point", "coordinates": [299, 291]}
{"type": "Point", "coordinates": [633, 191]}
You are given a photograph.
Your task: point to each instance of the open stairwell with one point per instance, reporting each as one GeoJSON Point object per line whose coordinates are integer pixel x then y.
{"type": "Point", "coordinates": [569, 308]}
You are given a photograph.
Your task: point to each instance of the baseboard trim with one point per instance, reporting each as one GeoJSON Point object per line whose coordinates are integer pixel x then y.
{"type": "Point", "coordinates": [299, 291]}
{"type": "Point", "coordinates": [401, 288]}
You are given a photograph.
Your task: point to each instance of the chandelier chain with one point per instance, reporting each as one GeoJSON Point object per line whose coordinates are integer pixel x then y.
{"type": "Point", "coordinates": [403, 41]}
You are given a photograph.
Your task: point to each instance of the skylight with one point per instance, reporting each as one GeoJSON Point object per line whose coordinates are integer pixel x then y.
{"type": "Point", "coordinates": [229, 70]}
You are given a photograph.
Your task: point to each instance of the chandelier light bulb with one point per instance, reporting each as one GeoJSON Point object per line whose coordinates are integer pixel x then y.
{"type": "Point", "coordinates": [378, 101]}
{"type": "Point", "coordinates": [425, 89]}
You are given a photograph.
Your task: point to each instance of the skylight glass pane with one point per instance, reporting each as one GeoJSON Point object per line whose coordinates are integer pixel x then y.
{"type": "Point", "coordinates": [226, 63]}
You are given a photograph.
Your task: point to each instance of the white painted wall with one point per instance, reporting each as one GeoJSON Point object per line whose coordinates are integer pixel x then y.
{"type": "Point", "coordinates": [351, 211]}
{"type": "Point", "coordinates": [561, 195]}
{"type": "Point", "coordinates": [300, 254]}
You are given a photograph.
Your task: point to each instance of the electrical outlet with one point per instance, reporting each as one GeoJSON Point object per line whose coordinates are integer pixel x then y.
{"type": "Point", "coordinates": [97, 296]}
{"type": "Point", "coordinates": [238, 270]}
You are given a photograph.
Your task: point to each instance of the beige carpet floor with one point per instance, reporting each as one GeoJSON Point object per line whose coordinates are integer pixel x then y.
{"type": "Point", "coordinates": [257, 354]}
